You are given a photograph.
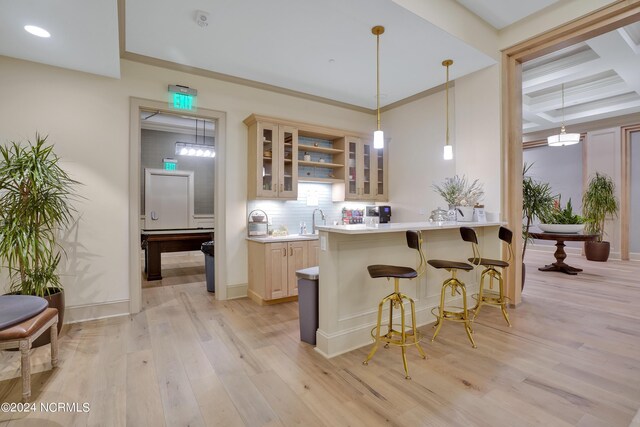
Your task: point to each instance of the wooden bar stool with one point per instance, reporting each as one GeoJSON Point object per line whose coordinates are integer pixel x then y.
{"type": "Point", "coordinates": [456, 286]}
{"type": "Point", "coordinates": [401, 337]}
{"type": "Point", "coordinates": [487, 297]}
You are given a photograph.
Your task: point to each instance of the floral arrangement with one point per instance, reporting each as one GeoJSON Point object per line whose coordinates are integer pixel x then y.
{"type": "Point", "coordinates": [457, 191]}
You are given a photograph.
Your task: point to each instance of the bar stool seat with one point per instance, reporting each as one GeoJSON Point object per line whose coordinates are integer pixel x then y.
{"type": "Point", "coordinates": [377, 271]}
{"type": "Point", "coordinates": [488, 262]}
{"type": "Point", "coordinates": [405, 335]}
{"type": "Point", "coordinates": [449, 265]}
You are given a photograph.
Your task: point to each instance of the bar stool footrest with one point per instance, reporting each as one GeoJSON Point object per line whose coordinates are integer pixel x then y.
{"type": "Point", "coordinates": [454, 316]}
{"type": "Point", "coordinates": [492, 298]}
{"type": "Point", "coordinates": [394, 337]}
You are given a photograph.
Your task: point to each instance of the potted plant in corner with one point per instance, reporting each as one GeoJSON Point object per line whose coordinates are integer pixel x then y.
{"type": "Point", "coordinates": [35, 196]}
{"type": "Point", "coordinates": [537, 202]}
{"type": "Point", "coordinates": [598, 202]}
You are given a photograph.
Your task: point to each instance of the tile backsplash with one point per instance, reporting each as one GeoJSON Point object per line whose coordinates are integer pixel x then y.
{"type": "Point", "coordinates": [291, 213]}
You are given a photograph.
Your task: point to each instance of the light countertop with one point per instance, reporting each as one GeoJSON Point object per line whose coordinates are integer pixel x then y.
{"type": "Point", "coordinates": [287, 238]}
{"type": "Point", "coordinates": [401, 226]}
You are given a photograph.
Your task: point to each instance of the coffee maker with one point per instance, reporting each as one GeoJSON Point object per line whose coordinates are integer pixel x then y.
{"type": "Point", "coordinates": [384, 213]}
{"type": "Point", "coordinates": [378, 214]}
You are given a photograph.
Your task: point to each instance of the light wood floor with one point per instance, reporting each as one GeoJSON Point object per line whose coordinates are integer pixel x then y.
{"type": "Point", "coordinates": [572, 357]}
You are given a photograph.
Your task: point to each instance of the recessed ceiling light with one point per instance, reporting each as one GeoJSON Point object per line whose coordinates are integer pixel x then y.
{"type": "Point", "coordinates": [37, 31]}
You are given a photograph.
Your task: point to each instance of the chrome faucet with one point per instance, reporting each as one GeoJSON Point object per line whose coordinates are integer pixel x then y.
{"type": "Point", "coordinates": [313, 219]}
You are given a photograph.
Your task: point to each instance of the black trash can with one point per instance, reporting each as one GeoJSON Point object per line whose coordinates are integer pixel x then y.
{"type": "Point", "coordinates": [308, 279]}
{"type": "Point", "coordinates": [207, 249]}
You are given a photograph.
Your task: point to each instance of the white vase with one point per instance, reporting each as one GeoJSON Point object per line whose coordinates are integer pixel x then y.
{"type": "Point", "coordinates": [465, 213]}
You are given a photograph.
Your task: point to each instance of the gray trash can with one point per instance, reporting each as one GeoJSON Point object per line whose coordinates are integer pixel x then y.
{"type": "Point", "coordinates": [207, 249]}
{"type": "Point", "coordinates": [308, 303]}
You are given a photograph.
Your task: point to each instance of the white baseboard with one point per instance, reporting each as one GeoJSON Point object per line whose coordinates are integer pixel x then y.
{"type": "Point", "coordinates": [81, 313]}
{"type": "Point", "coordinates": [237, 291]}
{"type": "Point", "coordinates": [634, 256]}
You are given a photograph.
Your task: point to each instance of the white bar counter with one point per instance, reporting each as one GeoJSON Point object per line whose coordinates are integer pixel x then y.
{"type": "Point", "coordinates": [348, 297]}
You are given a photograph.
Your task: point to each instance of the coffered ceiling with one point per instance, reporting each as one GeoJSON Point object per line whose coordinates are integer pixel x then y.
{"type": "Point", "coordinates": [601, 79]}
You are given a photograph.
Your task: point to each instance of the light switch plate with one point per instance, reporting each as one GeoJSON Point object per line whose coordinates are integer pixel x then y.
{"type": "Point", "coordinates": [323, 243]}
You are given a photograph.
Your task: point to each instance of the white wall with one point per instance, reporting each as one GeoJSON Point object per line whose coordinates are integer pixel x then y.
{"type": "Point", "coordinates": [417, 132]}
{"type": "Point", "coordinates": [87, 117]}
{"type": "Point", "coordinates": [561, 167]}
{"type": "Point", "coordinates": [603, 155]}
{"type": "Point", "coordinates": [477, 136]}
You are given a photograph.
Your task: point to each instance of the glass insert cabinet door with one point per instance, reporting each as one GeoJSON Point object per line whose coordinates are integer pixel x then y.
{"type": "Point", "coordinates": [268, 152]}
{"type": "Point", "coordinates": [288, 162]}
{"type": "Point", "coordinates": [379, 171]}
{"type": "Point", "coordinates": [367, 188]}
{"type": "Point", "coordinates": [352, 164]}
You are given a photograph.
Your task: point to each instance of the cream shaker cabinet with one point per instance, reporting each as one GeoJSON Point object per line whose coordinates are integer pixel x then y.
{"type": "Point", "coordinates": [273, 161]}
{"type": "Point", "coordinates": [366, 170]}
{"type": "Point", "coordinates": [273, 266]}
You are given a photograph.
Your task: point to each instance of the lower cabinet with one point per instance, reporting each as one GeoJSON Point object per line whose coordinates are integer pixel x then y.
{"type": "Point", "coordinates": [273, 266]}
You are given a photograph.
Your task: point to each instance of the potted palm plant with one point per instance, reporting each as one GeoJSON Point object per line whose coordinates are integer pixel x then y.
{"type": "Point", "coordinates": [598, 203]}
{"type": "Point", "coordinates": [537, 202]}
{"type": "Point", "coordinates": [35, 196]}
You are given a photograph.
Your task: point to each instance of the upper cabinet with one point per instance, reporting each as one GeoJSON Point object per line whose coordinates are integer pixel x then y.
{"type": "Point", "coordinates": [272, 168]}
{"type": "Point", "coordinates": [283, 153]}
{"type": "Point", "coordinates": [366, 171]}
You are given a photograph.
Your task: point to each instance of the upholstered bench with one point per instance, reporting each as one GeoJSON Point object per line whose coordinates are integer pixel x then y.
{"type": "Point", "coordinates": [23, 319]}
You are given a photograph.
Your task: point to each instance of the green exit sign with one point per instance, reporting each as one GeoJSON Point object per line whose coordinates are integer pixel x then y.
{"type": "Point", "coordinates": [182, 101]}
{"type": "Point", "coordinates": [182, 97]}
{"type": "Point", "coordinates": [170, 164]}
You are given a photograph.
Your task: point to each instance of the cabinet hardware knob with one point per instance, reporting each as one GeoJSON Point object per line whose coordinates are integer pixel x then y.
{"type": "Point", "coordinates": [291, 251]}
{"type": "Point", "coordinates": [284, 252]}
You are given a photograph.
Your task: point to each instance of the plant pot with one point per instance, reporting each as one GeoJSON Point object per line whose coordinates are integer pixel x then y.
{"type": "Point", "coordinates": [55, 300]}
{"type": "Point", "coordinates": [465, 213]}
{"type": "Point", "coordinates": [597, 251]}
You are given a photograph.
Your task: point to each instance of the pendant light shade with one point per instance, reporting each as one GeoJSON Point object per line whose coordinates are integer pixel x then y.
{"type": "Point", "coordinates": [563, 138]}
{"type": "Point", "coordinates": [448, 149]}
{"type": "Point", "coordinates": [378, 135]}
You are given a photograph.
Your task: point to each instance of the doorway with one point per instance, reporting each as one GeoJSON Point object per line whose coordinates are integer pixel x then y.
{"type": "Point", "coordinates": [140, 106]}
{"type": "Point", "coordinates": [592, 25]}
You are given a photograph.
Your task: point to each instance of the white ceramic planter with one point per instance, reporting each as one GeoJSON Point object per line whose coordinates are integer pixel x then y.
{"type": "Point", "coordinates": [465, 213]}
{"type": "Point", "coordinates": [561, 228]}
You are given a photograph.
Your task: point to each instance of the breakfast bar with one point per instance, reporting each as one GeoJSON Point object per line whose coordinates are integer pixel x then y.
{"type": "Point", "coordinates": [348, 297]}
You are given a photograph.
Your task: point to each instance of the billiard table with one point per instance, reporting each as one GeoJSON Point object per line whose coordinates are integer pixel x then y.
{"type": "Point", "coordinates": [155, 242]}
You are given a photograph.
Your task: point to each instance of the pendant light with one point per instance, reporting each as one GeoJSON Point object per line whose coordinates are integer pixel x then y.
{"type": "Point", "coordinates": [563, 138]}
{"type": "Point", "coordinates": [448, 149]}
{"type": "Point", "coordinates": [378, 135]}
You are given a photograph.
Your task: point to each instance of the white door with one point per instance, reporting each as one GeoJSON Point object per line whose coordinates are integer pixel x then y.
{"type": "Point", "coordinates": [168, 199]}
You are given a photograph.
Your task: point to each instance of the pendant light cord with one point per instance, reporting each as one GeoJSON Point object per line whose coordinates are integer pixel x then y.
{"type": "Point", "coordinates": [447, 63]}
{"type": "Point", "coordinates": [378, 78]}
{"type": "Point", "coordinates": [446, 88]}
